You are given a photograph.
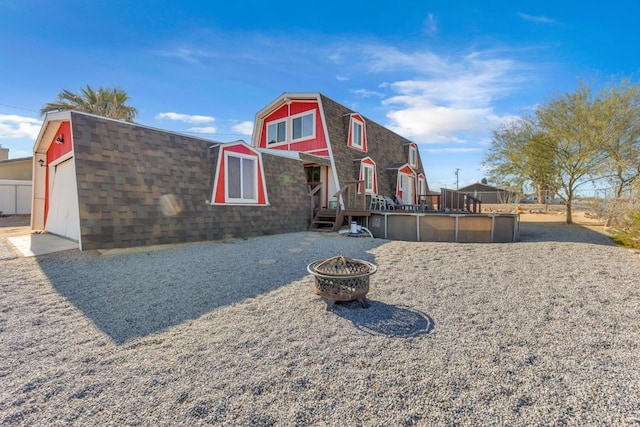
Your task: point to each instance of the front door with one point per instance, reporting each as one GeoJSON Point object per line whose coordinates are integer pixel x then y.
{"type": "Point", "coordinates": [314, 177]}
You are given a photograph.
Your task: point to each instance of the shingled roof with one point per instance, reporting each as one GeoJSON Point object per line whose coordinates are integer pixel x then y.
{"type": "Point", "coordinates": [384, 146]}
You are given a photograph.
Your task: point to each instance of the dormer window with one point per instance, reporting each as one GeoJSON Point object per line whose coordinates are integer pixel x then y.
{"type": "Point", "coordinates": [277, 132]}
{"type": "Point", "coordinates": [242, 178]}
{"type": "Point", "coordinates": [413, 155]}
{"type": "Point", "coordinates": [303, 127]}
{"type": "Point", "coordinates": [296, 128]}
{"type": "Point", "coordinates": [239, 178]}
{"type": "Point", "coordinates": [368, 175]}
{"type": "Point", "coordinates": [357, 133]}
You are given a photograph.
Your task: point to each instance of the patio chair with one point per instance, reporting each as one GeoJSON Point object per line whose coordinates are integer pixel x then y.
{"type": "Point", "coordinates": [378, 203]}
{"type": "Point", "coordinates": [391, 204]}
{"type": "Point", "coordinates": [400, 206]}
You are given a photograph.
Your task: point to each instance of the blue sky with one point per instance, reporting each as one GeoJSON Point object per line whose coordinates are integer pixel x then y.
{"type": "Point", "coordinates": [442, 73]}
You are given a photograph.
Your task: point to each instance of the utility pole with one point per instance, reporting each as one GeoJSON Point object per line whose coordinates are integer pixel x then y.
{"type": "Point", "coordinates": [457, 181]}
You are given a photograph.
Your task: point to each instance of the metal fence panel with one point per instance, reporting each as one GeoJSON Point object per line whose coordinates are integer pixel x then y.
{"type": "Point", "coordinates": [15, 199]}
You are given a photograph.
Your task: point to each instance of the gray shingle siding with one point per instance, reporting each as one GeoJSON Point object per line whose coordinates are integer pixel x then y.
{"type": "Point", "coordinates": [385, 147]}
{"type": "Point", "coordinates": [132, 181]}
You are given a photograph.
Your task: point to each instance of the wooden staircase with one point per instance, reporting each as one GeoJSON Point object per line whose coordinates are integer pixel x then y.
{"type": "Point", "coordinates": [323, 219]}
{"type": "Point", "coordinates": [326, 220]}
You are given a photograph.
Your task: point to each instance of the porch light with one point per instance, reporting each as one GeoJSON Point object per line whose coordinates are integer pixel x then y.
{"type": "Point", "coordinates": [60, 139]}
{"type": "Point", "coordinates": [42, 164]}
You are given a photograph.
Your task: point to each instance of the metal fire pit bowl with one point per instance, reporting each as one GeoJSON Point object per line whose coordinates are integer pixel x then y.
{"type": "Point", "coordinates": [342, 279]}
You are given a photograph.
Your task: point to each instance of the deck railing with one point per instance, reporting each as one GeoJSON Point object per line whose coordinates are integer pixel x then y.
{"type": "Point", "coordinates": [351, 199]}
{"type": "Point", "coordinates": [451, 200]}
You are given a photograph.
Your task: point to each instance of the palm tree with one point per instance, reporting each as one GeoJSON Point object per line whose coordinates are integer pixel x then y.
{"type": "Point", "coordinates": [106, 102]}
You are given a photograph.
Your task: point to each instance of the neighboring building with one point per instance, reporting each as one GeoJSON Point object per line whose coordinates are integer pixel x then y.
{"type": "Point", "coordinates": [109, 183]}
{"type": "Point", "coordinates": [489, 194]}
{"type": "Point", "coordinates": [15, 184]}
{"type": "Point", "coordinates": [17, 169]}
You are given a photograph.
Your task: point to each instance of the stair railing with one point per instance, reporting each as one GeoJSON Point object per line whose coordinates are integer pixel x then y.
{"type": "Point", "coordinates": [351, 199]}
{"type": "Point", "coordinates": [314, 188]}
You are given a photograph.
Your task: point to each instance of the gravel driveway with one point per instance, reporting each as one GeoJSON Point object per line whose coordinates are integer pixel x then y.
{"type": "Point", "coordinates": [541, 332]}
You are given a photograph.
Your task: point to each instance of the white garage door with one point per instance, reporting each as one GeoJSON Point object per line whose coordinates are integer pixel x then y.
{"type": "Point", "coordinates": [63, 218]}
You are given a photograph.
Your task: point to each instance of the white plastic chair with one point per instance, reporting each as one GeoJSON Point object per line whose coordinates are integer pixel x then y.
{"type": "Point", "coordinates": [377, 203]}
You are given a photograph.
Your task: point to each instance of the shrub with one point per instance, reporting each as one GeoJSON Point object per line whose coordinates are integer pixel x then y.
{"type": "Point", "coordinates": [628, 231]}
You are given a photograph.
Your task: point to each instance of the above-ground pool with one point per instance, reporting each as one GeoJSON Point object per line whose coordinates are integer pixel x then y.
{"type": "Point", "coordinates": [445, 227]}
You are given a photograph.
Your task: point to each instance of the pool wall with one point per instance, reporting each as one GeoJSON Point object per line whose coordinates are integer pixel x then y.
{"type": "Point", "coordinates": [444, 227]}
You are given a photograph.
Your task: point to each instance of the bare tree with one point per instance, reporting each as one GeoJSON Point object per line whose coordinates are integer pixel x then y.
{"type": "Point", "coordinates": [574, 139]}
{"type": "Point", "coordinates": [619, 110]}
{"type": "Point", "coordinates": [519, 157]}
{"type": "Point", "coordinates": [573, 132]}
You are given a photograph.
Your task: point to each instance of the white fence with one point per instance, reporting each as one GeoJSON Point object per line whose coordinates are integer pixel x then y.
{"type": "Point", "coordinates": [15, 197]}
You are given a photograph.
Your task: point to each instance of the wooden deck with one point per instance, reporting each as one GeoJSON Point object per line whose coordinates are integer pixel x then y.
{"type": "Point", "coordinates": [351, 204]}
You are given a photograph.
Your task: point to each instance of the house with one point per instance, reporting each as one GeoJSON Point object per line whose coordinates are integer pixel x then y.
{"type": "Point", "coordinates": [15, 184]}
{"type": "Point", "coordinates": [108, 183]}
{"type": "Point", "coordinates": [488, 194]}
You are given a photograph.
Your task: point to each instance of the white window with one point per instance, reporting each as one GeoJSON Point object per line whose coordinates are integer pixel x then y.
{"type": "Point", "coordinates": [241, 178]}
{"type": "Point", "coordinates": [413, 156]}
{"type": "Point", "coordinates": [303, 126]}
{"type": "Point", "coordinates": [367, 171]}
{"type": "Point", "coordinates": [356, 132]}
{"type": "Point", "coordinates": [422, 188]}
{"type": "Point", "coordinates": [368, 177]}
{"type": "Point", "coordinates": [276, 132]}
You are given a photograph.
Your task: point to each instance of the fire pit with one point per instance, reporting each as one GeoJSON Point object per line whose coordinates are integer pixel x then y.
{"type": "Point", "coordinates": [342, 279]}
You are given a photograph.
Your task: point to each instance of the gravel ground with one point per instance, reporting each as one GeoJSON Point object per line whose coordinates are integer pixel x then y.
{"type": "Point", "coordinates": [539, 332]}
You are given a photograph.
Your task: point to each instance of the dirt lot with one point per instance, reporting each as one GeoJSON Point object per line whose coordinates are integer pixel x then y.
{"type": "Point", "coordinates": [547, 213]}
{"type": "Point", "coordinates": [579, 217]}
{"type": "Point", "coordinates": [539, 332]}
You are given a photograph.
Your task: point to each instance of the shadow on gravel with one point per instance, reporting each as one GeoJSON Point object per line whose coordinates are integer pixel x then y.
{"type": "Point", "coordinates": [134, 295]}
{"type": "Point", "coordinates": [386, 320]}
{"type": "Point", "coordinates": [561, 232]}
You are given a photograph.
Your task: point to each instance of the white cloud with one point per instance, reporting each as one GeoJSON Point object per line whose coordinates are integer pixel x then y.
{"type": "Point", "coordinates": [14, 126]}
{"type": "Point", "coordinates": [430, 25]}
{"type": "Point", "coordinates": [192, 56]}
{"type": "Point", "coordinates": [380, 58]}
{"type": "Point", "coordinates": [342, 78]}
{"type": "Point", "coordinates": [244, 128]}
{"type": "Point", "coordinates": [426, 122]}
{"type": "Point", "coordinates": [185, 118]}
{"type": "Point", "coordinates": [453, 150]}
{"type": "Point", "coordinates": [208, 130]}
{"type": "Point", "coordinates": [448, 97]}
{"type": "Point", "coordinates": [335, 57]}
{"type": "Point", "coordinates": [471, 81]}
{"type": "Point", "coordinates": [537, 19]}
{"type": "Point", "coordinates": [485, 141]}
{"type": "Point", "coordinates": [365, 93]}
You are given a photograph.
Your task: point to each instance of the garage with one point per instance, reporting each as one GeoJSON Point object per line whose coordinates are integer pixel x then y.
{"type": "Point", "coordinates": [63, 216]}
